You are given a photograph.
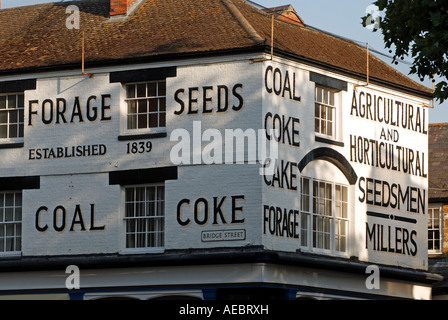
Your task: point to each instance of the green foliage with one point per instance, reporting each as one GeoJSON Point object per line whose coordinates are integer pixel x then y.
{"type": "Point", "coordinates": [419, 29]}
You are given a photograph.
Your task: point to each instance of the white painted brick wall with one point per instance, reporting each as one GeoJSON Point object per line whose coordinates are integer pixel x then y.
{"type": "Point", "coordinates": [84, 180]}
{"type": "Point", "coordinates": [69, 191]}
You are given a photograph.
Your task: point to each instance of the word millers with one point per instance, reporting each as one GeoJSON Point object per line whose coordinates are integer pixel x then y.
{"type": "Point", "coordinates": [391, 239]}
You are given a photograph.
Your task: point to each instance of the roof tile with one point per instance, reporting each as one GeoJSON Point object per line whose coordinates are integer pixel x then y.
{"type": "Point", "coordinates": [35, 37]}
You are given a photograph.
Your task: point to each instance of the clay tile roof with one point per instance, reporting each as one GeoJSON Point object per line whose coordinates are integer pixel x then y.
{"type": "Point", "coordinates": [34, 38]}
{"type": "Point", "coordinates": [438, 161]}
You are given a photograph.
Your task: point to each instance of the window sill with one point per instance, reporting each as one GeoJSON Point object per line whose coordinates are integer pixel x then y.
{"type": "Point", "coordinates": [435, 254]}
{"type": "Point", "coordinates": [325, 252]}
{"type": "Point", "coordinates": [329, 141]}
{"type": "Point", "coordinates": [11, 255]}
{"type": "Point", "coordinates": [11, 145]}
{"type": "Point", "coordinates": [141, 136]}
{"type": "Point", "coordinates": [143, 251]}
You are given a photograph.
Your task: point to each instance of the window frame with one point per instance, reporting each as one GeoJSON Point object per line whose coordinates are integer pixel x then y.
{"type": "Point", "coordinates": [336, 125]}
{"type": "Point", "coordinates": [146, 249]}
{"type": "Point", "coordinates": [438, 208]}
{"type": "Point", "coordinates": [307, 201]}
{"type": "Point", "coordinates": [20, 119]}
{"type": "Point", "coordinates": [3, 224]}
{"type": "Point", "coordinates": [125, 111]}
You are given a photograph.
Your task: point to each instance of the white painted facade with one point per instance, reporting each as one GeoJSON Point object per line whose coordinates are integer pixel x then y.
{"type": "Point", "coordinates": [238, 197]}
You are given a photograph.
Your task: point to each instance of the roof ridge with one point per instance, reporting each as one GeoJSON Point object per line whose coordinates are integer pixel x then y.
{"type": "Point", "coordinates": [243, 21]}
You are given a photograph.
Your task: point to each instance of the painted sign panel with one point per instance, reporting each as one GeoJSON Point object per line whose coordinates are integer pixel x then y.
{"type": "Point", "coordinates": [274, 153]}
{"type": "Point", "coordinates": [354, 181]}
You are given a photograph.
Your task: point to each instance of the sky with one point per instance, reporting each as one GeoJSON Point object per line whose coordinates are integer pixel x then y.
{"type": "Point", "coordinates": [342, 18]}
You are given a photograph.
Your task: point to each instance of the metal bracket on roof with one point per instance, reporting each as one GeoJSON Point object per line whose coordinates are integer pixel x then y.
{"type": "Point", "coordinates": [83, 56]}
{"type": "Point", "coordinates": [368, 68]}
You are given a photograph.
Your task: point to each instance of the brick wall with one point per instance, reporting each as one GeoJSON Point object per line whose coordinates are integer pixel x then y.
{"type": "Point", "coordinates": [445, 229]}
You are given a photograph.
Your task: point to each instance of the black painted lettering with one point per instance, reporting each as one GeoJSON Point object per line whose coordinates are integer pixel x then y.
{"type": "Point", "coordinates": [179, 101]}
{"type": "Point", "coordinates": [38, 212]}
{"type": "Point", "coordinates": [179, 213]}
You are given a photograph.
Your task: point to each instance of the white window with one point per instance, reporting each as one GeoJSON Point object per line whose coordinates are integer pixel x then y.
{"type": "Point", "coordinates": [10, 223]}
{"type": "Point", "coordinates": [435, 230]}
{"type": "Point", "coordinates": [146, 106]}
{"type": "Point", "coordinates": [11, 116]}
{"type": "Point", "coordinates": [325, 112]}
{"type": "Point", "coordinates": [145, 216]}
{"type": "Point", "coordinates": [324, 215]}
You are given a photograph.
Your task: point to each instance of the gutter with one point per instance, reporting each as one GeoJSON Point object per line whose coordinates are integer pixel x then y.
{"type": "Point", "coordinates": [210, 257]}
{"type": "Point", "coordinates": [256, 49]}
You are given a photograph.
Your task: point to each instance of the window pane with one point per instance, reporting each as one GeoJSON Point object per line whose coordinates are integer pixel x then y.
{"type": "Point", "coordinates": [344, 194]}
{"type": "Point", "coordinates": [330, 114]}
{"type": "Point", "coordinates": [162, 120]}
{"type": "Point", "coordinates": [18, 214]}
{"type": "Point", "coordinates": [142, 106]}
{"type": "Point", "coordinates": [21, 101]}
{"type": "Point", "coordinates": [9, 214]}
{"type": "Point", "coordinates": [12, 102]}
{"type": "Point", "coordinates": [153, 105]}
{"type": "Point", "coordinates": [142, 121]}
{"type": "Point", "coordinates": [329, 129]}
{"type": "Point", "coordinates": [130, 91]}
{"type": "Point", "coordinates": [3, 117]}
{"type": "Point", "coordinates": [132, 122]}
{"type": "Point", "coordinates": [21, 130]}
{"type": "Point", "coordinates": [132, 107]}
{"type": "Point", "coordinates": [130, 241]}
{"type": "Point", "coordinates": [162, 104]}
{"type": "Point", "coordinates": [151, 193]}
{"type": "Point", "coordinates": [129, 210]}
{"type": "Point", "coordinates": [318, 94]}
{"type": "Point", "coordinates": [9, 199]}
{"type": "Point", "coordinates": [323, 126]}
{"type": "Point", "coordinates": [140, 194]}
{"type": "Point", "coordinates": [19, 242]}
{"type": "Point", "coordinates": [344, 210]}
{"type": "Point", "coordinates": [325, 96]}
{"type": "Point", "coordinates": [141, 90]}
{"type": "Point", "coordinates": [161, 193]}
{"type": "Point", "coordinates": [129, 194]}
{"type": "Point", "coordinates": [304, 218]}
{"type": "Point", "coordinates": [162, 88]}
{"type": "Point", "coordinates": [3, 131]}
{"type": "Point", "coordinates": [2, 102]}
{"type": "Point", "coordinates": [13, 131]}
{"type": "Point", "coordinates": [153, 121]}
{"type": "Point", "coordinates": [152, 89]}
{"type": "Point", "coordinates": [331, 102]}
{"type": "Point", "coordinates": [13, 116]}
